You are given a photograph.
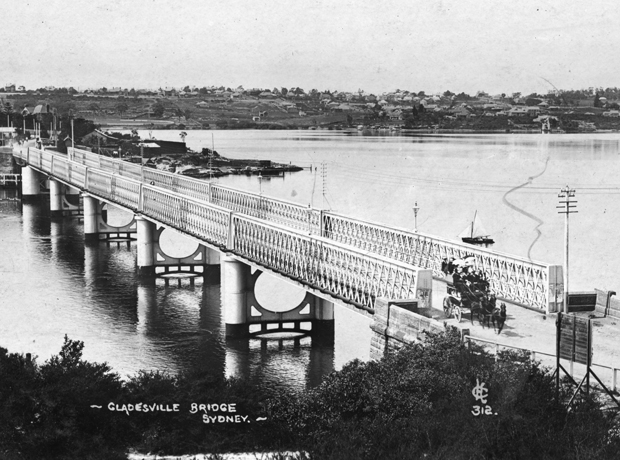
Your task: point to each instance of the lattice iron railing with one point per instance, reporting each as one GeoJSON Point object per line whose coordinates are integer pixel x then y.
{"type": "Point", "coordinates": [511, 278]}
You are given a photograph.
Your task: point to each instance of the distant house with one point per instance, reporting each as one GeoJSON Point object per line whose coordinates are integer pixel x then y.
{"type": "Point", "coordinates": [396, 114]}
{"type": "Point", "coordinates": [98, 136]}
{"type": "Point", "coordinates": [267, 94]}
{"type": "Point", "coordinates": [461, 112]}
{"type": "Point", "coordinates": [612, 113]}
{"type": "Point", "coordinates": [9, 88]}
{"type": "Point", "coordinates": [521, 110]}
{"type": "Point", "coordinates": [202, 104]}
{"type": "Point", "coordinates": [589, 102]}
{"type": "Point", "coordinates": [153, 147]}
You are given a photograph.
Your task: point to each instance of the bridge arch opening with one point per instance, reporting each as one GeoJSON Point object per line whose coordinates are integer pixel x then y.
{"type": "Point", "coordinates": [277, 295]}
{"type": "Point", "coordinates": [115, 216]}
{"type": "Point", "coordinates": [173, 244]}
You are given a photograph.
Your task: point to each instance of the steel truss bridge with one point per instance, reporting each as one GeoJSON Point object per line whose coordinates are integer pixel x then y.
{"type": "Point", "coordinates": [350, 259]}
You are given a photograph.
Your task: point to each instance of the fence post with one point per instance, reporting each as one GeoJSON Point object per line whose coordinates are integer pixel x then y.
{"type": "Point", "coordinates": [614, 378]}
{"type": "Point", "coordinates": [141, 199]}
{"type": "Point", "coordinates": [230, 243]}
{"type": "Point", "coordinates": [496, 351]}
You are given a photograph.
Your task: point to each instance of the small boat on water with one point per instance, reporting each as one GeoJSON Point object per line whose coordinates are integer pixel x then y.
{"type": "Point", "coordinates": [476, 234]}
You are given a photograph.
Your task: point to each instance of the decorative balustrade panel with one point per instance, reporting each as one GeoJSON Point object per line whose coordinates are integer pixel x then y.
{"type": "Point", "coordinates": [510, 277]}
{"type": "Point", "coordinates": [60, 169]}
{"type": "Point", "coordinates": [197, 219]}
{"type": "Point", "coordinates": [345, 272]}
{"type": "Point", "coordinates": [126, 192]}
{"type": "Point", "coordinates": [34, 157]}
{"type": "Point", "coordinates": [197, 189]}
{"type": "Point", "coordinates": [130, 170]}
{"type": "Point", "coordinates": [106, 163]}
{"type": "Point", "coordinates": [282, 212]}
{"type": "Point", "coordinates": [100, 183]}
{"type": "Point", "coordinates": [77, 175]}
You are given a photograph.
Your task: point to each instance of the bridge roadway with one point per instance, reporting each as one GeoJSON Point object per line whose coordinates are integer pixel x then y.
{"type": "Point", "coordinates": [351, 259]}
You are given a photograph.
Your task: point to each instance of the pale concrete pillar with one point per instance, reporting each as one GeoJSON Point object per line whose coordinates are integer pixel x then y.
{"type": "Point", "coordinates": [30, 183]}
{"type": "Point", "coordinates": [91, 218]}
{"type": "Point", "coordinates": [236, 281]}
{"type": "Point", "coordinates": [323, 323]}
{"type": "Point", "coordinates": [56, 195]}
{"type": "Point", "coordinates": [212, 257]}
{"type": "Point", "coordinates": [147, 234]}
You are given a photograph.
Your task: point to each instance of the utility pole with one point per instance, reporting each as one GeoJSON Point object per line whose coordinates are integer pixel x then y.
{"type": "Point", "coordinates": [566, 207]}
{"type": "Point", "coordinates": [416, 208]}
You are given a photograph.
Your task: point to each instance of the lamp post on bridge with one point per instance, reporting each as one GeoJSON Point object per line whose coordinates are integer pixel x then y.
{"type": "Point", "coordinates": [416, 208]}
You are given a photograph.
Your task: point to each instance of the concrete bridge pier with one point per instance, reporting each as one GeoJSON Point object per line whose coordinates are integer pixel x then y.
{"type": "Point", "coordinates": [323, 323]}
{"type": "Point", "coordinates": [56, 198]}
{"type": "Point", "coordinates": [245, 316]}
{"type": "Point", "coordinates": [147, 237]}
{"type": "Point", "coordinates": [31, 185]}
{"type": "Point", "coordinates": [92, 211]}
{"type": "Point", "coordinates": [237, 282]}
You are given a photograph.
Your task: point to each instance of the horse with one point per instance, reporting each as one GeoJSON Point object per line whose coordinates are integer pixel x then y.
{"type": "Point", "coordinates": [486, 309]}
{"type": "Point", "coordinates": [499, 318]}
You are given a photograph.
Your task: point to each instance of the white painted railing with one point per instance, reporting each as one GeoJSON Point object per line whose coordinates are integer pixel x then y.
{"type": "Point", "coordinates": [350, 274]}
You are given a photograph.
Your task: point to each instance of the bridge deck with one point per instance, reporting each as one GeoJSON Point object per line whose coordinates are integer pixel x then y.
{"type": "Point", "coordinates": [512, 278]}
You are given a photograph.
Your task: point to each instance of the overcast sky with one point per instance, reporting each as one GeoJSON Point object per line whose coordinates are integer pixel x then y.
{"type": "Point", "coordinates": [500, 46]}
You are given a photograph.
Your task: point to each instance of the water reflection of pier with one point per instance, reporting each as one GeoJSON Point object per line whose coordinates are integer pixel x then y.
{"type": "Point", "coordinates": [176, 324]}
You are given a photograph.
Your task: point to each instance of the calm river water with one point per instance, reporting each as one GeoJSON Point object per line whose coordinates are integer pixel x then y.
{"type": "Point", "coordinates": [53, 285]}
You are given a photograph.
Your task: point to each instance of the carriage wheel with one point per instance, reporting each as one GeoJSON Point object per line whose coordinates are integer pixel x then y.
{"type": "Point", "coordinates": [458, 313]}
{"type": "Point", "coordinates": [447, 307]}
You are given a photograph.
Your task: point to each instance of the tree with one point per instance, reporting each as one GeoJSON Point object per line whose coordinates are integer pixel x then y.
{"type": "Point", "coordinates": [121, 108]}
{"type": "Point", "coordinates": [158, 109]}
{"type": "Point", "coordinates": [51, 410]}
{"type": "Point", "coordinates": [597, 101]}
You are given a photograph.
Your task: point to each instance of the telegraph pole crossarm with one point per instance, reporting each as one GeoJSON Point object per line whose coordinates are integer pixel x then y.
{"type": "Point", "coordinates": [566, 206]}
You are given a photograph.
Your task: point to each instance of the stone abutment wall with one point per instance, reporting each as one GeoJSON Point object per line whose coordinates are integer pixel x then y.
{"type": "Point", "coordinates": [396, 324]}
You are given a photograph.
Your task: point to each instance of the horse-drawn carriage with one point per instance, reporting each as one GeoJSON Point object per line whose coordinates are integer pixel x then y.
{"type": "Point", "coordinates": [469, 293]}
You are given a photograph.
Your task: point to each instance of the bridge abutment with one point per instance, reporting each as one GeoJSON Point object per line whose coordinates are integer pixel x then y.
{"type": "Point", "coordinates": [396, 323]}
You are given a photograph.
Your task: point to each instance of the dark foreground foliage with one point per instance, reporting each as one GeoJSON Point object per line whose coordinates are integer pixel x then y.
{"type": "Point", "coordinates": [417, 403]}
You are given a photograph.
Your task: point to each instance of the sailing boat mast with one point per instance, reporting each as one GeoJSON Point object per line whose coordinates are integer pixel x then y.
{"type": "Point", "coordinates": [475, 233]}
